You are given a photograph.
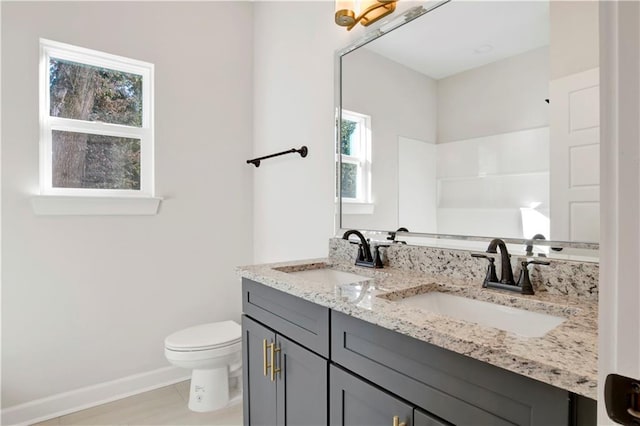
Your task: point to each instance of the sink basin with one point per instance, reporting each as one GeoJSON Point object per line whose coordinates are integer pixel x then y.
{"type": "Point", "coordinates": [330, 276]}
{"type": "Point", "coordinates": [518, 321]}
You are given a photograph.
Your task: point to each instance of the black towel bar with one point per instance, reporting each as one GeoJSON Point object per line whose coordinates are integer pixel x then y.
{"type": "Point", "coordinates": [302, 151]}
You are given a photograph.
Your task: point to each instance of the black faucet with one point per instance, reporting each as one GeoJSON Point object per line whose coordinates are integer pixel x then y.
{"type": "Point", "coordinates": [506, 276]}
{"type": "Point", "coordinates": [529, 247]}
{"type": "Point", "coordinates": [506, 281]}
{"type": "Point", "coordinates": [364, 250]}
{"type": "Point", "coordinates": [392, 235]}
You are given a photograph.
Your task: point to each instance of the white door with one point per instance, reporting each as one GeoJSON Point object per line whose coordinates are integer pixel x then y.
{"type": "Point", "coordinates": [575, 157]}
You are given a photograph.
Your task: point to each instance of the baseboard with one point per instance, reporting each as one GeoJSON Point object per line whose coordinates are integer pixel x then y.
{"type": "Point", "coordinates": [80, 399]}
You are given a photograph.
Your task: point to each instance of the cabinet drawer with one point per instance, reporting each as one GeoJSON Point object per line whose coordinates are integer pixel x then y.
{"type": "Point", "coordinates": [453, 387]}
{"type": "Point", "coordinates": [299, 320]}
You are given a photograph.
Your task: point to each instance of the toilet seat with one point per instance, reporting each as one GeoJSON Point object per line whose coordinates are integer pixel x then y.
{"type": "Point", "coordinates": [205, 337]}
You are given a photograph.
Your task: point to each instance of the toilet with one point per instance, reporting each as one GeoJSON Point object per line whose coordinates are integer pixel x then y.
{"type": "Point", "coordinates": [214, 352]}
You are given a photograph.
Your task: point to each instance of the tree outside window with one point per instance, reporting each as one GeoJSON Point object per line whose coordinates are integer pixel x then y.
{"type": "Point", "coordinates": [96, 123]}
{"type": "Point", "coordinates": [355, 157]}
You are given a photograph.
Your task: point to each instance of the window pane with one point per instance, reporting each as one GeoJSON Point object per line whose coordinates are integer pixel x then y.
{"type": "Point", "coordinates": [83, 160]}
{"type": "Point", "coordinates": [89, 93]}
{"type": "Point", "coordinates": [347, 132]}
{"type": "Point", "coordinates": [349, 180]}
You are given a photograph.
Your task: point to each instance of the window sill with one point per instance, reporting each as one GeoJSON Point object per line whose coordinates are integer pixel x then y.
{"type": "Point", "coordinates": [49, 205]}
{"type": "Point", "coordinates": [357, 208]}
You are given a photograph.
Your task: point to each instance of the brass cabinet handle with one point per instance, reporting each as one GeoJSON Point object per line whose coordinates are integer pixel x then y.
{"type": "Point", "coordinates": [274, 368]}
{"type": "Point", "coordinates": [265, 364]}
{"type": "Point", "coordinates": [397, 422]}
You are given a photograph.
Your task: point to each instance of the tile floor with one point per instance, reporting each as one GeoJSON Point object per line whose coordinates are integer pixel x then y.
{"type": "Point", "coordinates": [164, 406]}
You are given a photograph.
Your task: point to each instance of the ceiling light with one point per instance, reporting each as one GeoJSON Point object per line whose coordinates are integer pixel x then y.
{"type": "Point", "coordinates": [350, 12]}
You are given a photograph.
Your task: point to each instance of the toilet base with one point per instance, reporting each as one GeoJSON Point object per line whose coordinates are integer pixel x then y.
{"type": "Point", "coordinates": [209, 389]}
{"type": "Point", "coordinates": [213, 389]}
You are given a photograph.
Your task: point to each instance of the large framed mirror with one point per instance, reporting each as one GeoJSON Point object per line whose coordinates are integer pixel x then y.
{"type": "Point", "coordinates": [474, 119]}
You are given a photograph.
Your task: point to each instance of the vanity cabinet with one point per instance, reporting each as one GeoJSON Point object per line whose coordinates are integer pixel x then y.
{"type": "Point", "coordinates": [285, 384]}
{"type": "Point", "coordinates": [453, 387]}
{"type": "Point", "coordinates": [342, 371]}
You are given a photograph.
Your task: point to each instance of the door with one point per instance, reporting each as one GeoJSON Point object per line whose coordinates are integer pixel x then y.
{"type": "Point", "coordinates": [354, 402]}
{"type": "Point", "coordinates": [259, 402]}
{"type": "Point", "coordinates": [301, 385]}
{"type": "Point", "coordinates": [575, 157]}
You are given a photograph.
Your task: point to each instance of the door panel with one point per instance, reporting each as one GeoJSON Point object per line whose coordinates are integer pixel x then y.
{"type": "Point", "coordinates": [259, 402]}
{"type": "Point", "coordinates": [420, 418]}
{"type": "Point", "coordinates": [302, 385]}
{"type": "Point", "coordinates": [575, 157]}
{"type": "Point", "coordinates": [355, 402]}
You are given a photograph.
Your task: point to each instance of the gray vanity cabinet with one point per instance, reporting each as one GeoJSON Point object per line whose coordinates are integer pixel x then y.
{"type": "Point", "coordinates": [453, 387]}
{"type": "Point", "coordinates": [342, 371]}
{"type": "Point", "coordinates": [420, 418]}
{"type": "Point", "coordinates": [294, 393]}
{"type": "Point", "coordinates": [285, 356]}
{"type": "Point", "coordinates": [353, 402]}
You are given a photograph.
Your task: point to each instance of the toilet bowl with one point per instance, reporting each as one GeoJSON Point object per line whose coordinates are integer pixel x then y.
{"type": "Point", "coordinates": [214, 352]}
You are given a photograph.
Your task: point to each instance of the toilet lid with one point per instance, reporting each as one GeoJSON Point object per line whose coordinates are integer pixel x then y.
{"type": "Point", "coordinates": [205, 336]}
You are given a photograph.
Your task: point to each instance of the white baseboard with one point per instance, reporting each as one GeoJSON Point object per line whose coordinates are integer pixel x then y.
{"type": "Point", "coordinates": [90, 396]}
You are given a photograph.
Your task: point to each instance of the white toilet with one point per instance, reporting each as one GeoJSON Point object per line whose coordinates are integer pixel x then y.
{"type": "Point", "coordinates": [214, 352]}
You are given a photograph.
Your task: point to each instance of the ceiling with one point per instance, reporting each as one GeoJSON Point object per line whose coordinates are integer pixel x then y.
{"type": "Point", "coordinates": [462, 35]}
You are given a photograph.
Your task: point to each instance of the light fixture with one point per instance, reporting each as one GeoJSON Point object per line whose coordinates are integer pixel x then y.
{"type": "Point", "coordinates": [350, 12]}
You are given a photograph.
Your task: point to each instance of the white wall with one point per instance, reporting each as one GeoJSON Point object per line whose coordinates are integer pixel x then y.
{"type": "Point", "coordinates": [490, 179]}
{"type": "Point", "coordinates": [90, 299]}
{"type": "Point", "coordinates": [574, 37]}
{"type": "Point", "coordinates": [294, 198]}
{"type": "Point", "coordinates": [619, 316]}
{"type": "Point", "coordinates": [500, 97]}
{"type": "Point", "coordinates": [493, 146]}
{"type": "Point", "coordinates": [401, 102]}
{"type": "Point", "coordinates": [417, 186]}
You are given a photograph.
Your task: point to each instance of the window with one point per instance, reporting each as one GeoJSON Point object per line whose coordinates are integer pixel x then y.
{"type": "Point", "coordinates": [355, 160]}
{"type": "Point", "coordinates": [96, 123]}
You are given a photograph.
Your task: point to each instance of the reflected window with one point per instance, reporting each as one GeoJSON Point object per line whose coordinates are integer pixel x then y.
{"type": "Point", "coordinates": [355, 157]}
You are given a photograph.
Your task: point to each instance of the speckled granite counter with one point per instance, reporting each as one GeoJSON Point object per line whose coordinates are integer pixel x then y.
{"type": "Point", "coordinates": [566, 357]}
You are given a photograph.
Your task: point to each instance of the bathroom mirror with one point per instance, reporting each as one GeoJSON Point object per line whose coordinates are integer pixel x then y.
{"type": "Point", "coordinates": [474, 119]}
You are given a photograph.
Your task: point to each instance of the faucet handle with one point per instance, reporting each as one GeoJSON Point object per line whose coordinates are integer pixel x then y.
{"type": "Point", "coordinates": [377, 260]}
{"type": "Point", "coordinates": [360, 251]}
{"type": "Point", "coordinates": [524, 282]}
{"type": "Point", "coordinates": [491, 269]}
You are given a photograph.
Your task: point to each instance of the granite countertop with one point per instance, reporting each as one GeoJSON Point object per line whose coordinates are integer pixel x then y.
{"type": "Point", "coordinates": [566, 357]}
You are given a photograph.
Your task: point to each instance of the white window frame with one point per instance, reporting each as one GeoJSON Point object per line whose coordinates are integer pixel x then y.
{"type": "Point", "coordinates": [362, 161]}
{"type": "Point", "coordinates": [48, 124]}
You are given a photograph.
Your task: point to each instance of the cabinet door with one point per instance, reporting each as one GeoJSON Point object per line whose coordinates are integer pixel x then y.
{"type": "Point", "coordinates": [354, 402]}
{"type": "Point", "coordinates": [420, 418]}
{"type": "Point", "coordinates": [259, 399]}
{"type": "Point", "coordinates": [302, 385]}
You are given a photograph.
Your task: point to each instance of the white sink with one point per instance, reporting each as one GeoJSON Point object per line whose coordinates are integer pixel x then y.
{"type": "Point", "coordinates": [514, 320]}
{"type": "Point", "coordinates": [330, 276]}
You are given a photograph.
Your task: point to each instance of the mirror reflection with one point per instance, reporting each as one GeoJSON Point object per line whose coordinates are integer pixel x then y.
{"type": "Point", "coordinates": [476, 119]}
